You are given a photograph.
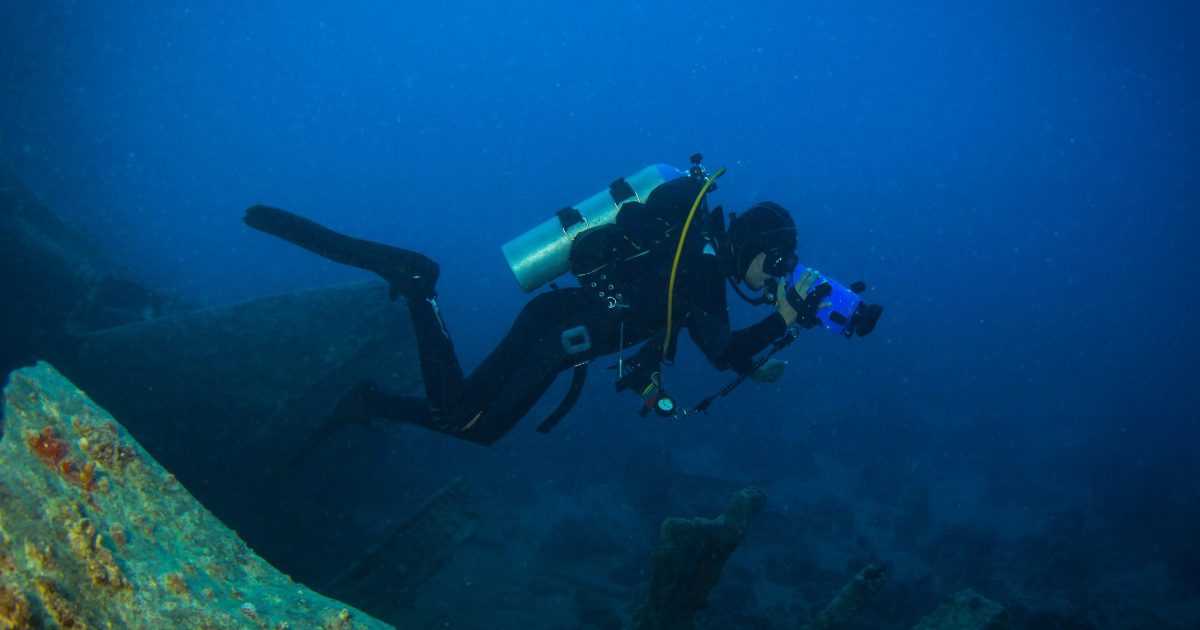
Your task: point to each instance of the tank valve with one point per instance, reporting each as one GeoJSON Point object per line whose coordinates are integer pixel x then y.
{"type": "Point", "coordinates": [697, 170]}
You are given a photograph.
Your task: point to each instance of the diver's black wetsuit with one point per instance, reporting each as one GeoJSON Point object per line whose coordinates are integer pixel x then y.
{"type": "Point", "coordinates": [485, 405]}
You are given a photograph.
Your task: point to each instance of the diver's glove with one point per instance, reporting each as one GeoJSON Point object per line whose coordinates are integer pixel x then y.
{"type": "Point", "coordinates": [807, 305]}
{"type": "Point", "coordinates": [768, 372]}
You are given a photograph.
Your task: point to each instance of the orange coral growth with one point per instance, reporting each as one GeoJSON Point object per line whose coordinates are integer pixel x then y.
{"type": "Point", "coordinates": [48, 446]}
{"type": "Point", "coordinates": [52, 450]}
{"type": "Point", "coordinates": [83, 478]}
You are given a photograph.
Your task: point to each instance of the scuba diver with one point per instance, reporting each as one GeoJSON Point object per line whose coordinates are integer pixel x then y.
{"type": "Point", "coordinates": [651, 260]}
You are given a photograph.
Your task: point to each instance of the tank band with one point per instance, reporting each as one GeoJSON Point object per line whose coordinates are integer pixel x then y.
{"type": "Point", "coordinates": [620, 191]}
{"type": "Point", "coordinates": [569, 216]}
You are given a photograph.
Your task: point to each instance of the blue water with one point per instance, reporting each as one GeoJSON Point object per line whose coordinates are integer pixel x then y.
{"type": "Point", "coordinates": [1016, 182]}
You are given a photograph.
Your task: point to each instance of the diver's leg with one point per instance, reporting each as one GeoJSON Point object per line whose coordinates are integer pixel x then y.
{"type": "Point", "coordinates": [440, 369]}
{"type": "Point", "coordinates": [522, 391]}
{"type": "Point", "coordinates": [359, 405]}
{"type": "Point", "coordinates": [518, 372]}
{"type": "Point", "coordinates": [485, 406]}
{"type": "Point", "coordinates": [531, 353]}
{"type": "Point", "coordinates": [407, 273]}
{"type": "Point", "coordinates": [547, 314]}
{"type": "Point", "coordinates": [365, 401]}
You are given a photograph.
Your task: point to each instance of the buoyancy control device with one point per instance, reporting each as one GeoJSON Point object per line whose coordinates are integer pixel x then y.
{"type": "Point", "coordinates": [595, 240]}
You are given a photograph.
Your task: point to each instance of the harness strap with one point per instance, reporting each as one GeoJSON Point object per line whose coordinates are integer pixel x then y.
{"type": "Point", "coordinates": [578, 377]}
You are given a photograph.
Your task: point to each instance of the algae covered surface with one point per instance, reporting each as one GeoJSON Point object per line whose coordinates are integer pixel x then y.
{"type": "Point", "coordinates": [94, 533]}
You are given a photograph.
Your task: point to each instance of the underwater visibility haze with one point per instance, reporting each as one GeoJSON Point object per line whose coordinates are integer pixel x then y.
{"type": "Point", "coordinates": [1015, 183]}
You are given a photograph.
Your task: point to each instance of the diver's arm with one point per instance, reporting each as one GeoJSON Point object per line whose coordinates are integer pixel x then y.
{"type": "Point", "coordinates": [733, 349]}
{"type": "Point", "coordinates": [708, 323]}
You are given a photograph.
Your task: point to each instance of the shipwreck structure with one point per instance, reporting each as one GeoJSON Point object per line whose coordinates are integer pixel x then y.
{"type": "Point", "coordinates": [95, 533]}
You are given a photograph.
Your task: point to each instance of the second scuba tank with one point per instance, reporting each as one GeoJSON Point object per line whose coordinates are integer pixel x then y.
{"type": "Point", "coordinates": [542, 254]}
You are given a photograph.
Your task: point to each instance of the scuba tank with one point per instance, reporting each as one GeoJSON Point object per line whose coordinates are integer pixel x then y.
{"type": "Point", "coordinates": [542, 254]}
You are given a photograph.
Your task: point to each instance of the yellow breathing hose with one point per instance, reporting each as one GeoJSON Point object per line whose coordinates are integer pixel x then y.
{"type": "Point", "coordinates": [678, 253]}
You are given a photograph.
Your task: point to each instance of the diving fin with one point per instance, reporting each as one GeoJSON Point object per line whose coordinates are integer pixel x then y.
{"type": "Point", "coordinates": [354, 407]}
{"type": "Point", "coordinates": [407, 273]}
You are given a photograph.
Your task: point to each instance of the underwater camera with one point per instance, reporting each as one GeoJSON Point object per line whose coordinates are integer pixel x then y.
{"type": "Point", "coordinates": [839, 308]}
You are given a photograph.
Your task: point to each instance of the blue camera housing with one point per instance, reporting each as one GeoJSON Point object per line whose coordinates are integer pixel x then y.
{"type": "Point", "coordinates": [839, 311]}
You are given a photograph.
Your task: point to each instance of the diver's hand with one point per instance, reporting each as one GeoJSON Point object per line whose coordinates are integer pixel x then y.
{"type": "Point", "coordinates": [805, 300]}
{"type": "Point", "coordinates": [791, 304]}
{"type": "Point", "coordinates": [784, 306]}
{"type": "Point", "coordinates": [768, 372]}
{"type": "Point", "coordinates": [814, 302]}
